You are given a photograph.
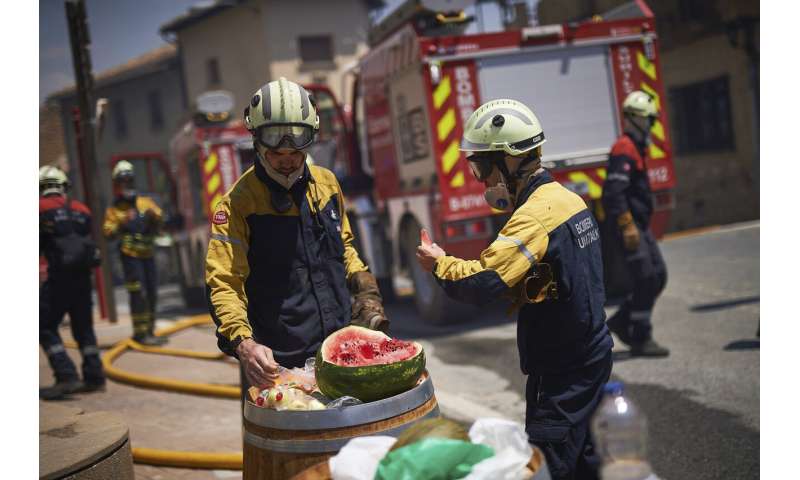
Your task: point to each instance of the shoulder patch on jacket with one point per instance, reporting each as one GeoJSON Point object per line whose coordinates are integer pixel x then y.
{"type": "Point", "coordinates": [220, 217]}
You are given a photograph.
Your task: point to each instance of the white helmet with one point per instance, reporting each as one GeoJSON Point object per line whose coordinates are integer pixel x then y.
{"type": "Point", "coordinates": [282, 112]}
{"type": "Point", "coordinates": [503, 124]}
{"type": "Point", "coordinates": [52, 180]}
{"type": "Point", "coordinates": [640, 103]}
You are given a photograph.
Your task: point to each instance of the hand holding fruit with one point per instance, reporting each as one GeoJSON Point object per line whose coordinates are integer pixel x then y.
{"type": "Point", "coordinates": [258, 363]}
{"type": "Point", "coordinates": [428, 252]}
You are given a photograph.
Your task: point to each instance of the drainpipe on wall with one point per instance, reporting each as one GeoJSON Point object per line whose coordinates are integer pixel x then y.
{"type": "Point", "coordinates": [747, 25]}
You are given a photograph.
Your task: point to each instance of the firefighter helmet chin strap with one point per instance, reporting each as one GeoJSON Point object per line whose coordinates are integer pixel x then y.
{"type": "Point", "coordinates": [286, 181]}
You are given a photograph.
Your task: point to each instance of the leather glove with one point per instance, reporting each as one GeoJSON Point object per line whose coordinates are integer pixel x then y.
{"type": "Point", "coordinates": [367, 309]}
{"type": "Point", "coordinates": [630, 234]}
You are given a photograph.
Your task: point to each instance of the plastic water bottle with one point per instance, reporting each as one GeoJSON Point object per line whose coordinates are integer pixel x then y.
{"type": "Point", "coordinates": [620, 434]}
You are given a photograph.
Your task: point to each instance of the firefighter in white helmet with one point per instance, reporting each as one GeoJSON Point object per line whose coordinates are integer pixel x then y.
{"type": "Point", "coordinates": [547, 260]}
{"type": "Point", "coordinates": [628, 204]}
{"type": "Point", "coordinates": [66, 242]}
{"type": "Point", "coordinates": [281, 266]}
{"type": "Point", "coordinates": [135, 219]}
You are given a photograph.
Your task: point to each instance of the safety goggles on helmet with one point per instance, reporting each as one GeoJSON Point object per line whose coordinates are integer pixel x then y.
{"type": "Point", "coordinates": [483, 164]}
{"type": "Point", "coordinates": [294, 135]}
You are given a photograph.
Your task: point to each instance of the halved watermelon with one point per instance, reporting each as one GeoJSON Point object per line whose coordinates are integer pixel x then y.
{"type": "Point", "coordinates": [367, 364]}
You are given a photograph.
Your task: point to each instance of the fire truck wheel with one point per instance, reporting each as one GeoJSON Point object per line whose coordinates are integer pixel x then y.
{"type": "Point", "coordinates": [432, 303]}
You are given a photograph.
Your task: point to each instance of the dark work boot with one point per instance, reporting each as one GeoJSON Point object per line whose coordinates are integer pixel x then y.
{"type": "Point", "coordinates": [60, 390]}
{"type": "Point", "coordinates": [87, 387]}
{"type": "Point", "coordinates": [649, 348]}
{"type": "Point", "coordinates": [148, 340]}
{"type": "Point", "coordinates": [620, 328]}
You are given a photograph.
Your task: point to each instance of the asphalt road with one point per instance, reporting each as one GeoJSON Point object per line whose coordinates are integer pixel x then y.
{"type": "Point", "coordinates": [702, 402]}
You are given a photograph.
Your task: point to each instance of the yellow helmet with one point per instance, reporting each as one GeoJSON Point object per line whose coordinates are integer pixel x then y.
{"type": "Point", "coordinates": [282, 111]}
{"type": "Point", "coordinates": [503, 124]}
{"type": "Point", "coordinates": [52, 180]}
{"type": "Point", "coordinates": [640, 104]}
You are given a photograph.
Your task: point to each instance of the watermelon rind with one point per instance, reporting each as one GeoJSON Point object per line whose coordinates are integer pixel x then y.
{"type": "Point", "coordinates": [371, 382]}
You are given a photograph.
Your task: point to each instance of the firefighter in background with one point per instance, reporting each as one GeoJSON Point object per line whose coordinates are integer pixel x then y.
{"type": "Point", "coordinates": [281, 266]}
{"type": "Point", "coordinates": [628, 202]}
{"type": "Point", "coordinates": [135, 220]}
{"type": "Point", "coordinates": [65, 239]}
{"type": "Point", "coordinates": [547, 259]}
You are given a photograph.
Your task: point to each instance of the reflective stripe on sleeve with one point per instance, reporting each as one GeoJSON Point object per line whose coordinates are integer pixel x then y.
{"type": "Point", "coordinates": [640, 315]}
{"type": "Point", "coordinates": [225, 238]}
{"type": "Point", "coordinates": [521, 246]}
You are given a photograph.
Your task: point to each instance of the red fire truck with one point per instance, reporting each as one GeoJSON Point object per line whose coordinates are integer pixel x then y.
{"type": "Point", "coordinates": [396, 151]}
{"type": "Point", "coordinates": [423, 77]}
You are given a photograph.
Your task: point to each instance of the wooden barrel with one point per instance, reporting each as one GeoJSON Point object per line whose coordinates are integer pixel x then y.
{"type": "Point", "coordinates": [278, 445]}
{"type": "Point", "coordinates": [322, 471]}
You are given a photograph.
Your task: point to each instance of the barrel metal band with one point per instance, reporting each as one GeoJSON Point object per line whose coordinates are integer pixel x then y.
{"type": "Point", "coordinates": [370, 412]}
{"type": "Point", "coordinates": [317, 446]}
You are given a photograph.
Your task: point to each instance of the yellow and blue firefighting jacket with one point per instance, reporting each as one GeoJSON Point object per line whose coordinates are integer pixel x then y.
{"type": "Point", "coordinates": [552, 225]}
{"type": "Point", "coordinates": [281, 277]}
{"type": "Point", "coordinates": [136, 235]}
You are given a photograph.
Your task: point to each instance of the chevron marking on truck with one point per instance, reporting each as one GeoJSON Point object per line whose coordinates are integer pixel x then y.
{"type": "Point", "coordinates": [211, 163]}
{"type": "Point", "coordinates": [446, 124]}
{"type": "Point", "coordinates": [213, 181]}
{"type": "Point", "coordinates": [658, 130]}
{"type": "Point", "coordinates": [450, 157]}
{"type": "Point", "coordinates": [595, 190]}
{"type": "Point", "coordinates": [648, 67]}
{"type": "Point", "coordinates": [458, 180]}
{"type": "Point", "coordinates": [442, 92]}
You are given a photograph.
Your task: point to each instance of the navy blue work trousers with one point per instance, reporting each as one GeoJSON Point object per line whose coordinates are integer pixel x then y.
{"type": "Point", "coordinates": [558, 413]}
{"type": "Point", "coordinates": [69, 293]}
{"type": "Point", "coordinates": [649, 273]}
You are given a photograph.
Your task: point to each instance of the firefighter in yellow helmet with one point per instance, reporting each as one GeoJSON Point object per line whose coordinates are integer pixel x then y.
{"type": "Point", "coordinates": [546, 259]}
{"type": "Point", "coordinates": [135, 220]}
{"type": "Point", "coordinates": [281, 266]}
{"type": "Point", "coordinates": [628, 203]}
{"type": "Point", "coordinates": [65, 239]}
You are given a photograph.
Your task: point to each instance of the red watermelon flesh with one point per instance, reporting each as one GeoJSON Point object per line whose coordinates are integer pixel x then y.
{"type": "Point", "coordinates": [355, 351]}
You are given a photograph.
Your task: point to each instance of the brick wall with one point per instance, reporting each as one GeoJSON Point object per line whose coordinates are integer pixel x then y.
{"type": "Point", "coordinates": [51, 137]}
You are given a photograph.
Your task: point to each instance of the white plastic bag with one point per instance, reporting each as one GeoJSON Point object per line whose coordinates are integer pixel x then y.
{"type": "Point", "coordinates": [359, 458]}
{"type": "Point", "coordinates": [512, 452]}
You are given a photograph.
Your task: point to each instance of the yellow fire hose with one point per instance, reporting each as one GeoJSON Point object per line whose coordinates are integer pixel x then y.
{"type": "Point", "coordinates": [159, 383]}
{"type": "Point", "coordinates": [174, 458]}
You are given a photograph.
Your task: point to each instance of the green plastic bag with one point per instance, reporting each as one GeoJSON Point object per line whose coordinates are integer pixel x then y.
{"type": "Point", "coordinates": [432, 459]}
